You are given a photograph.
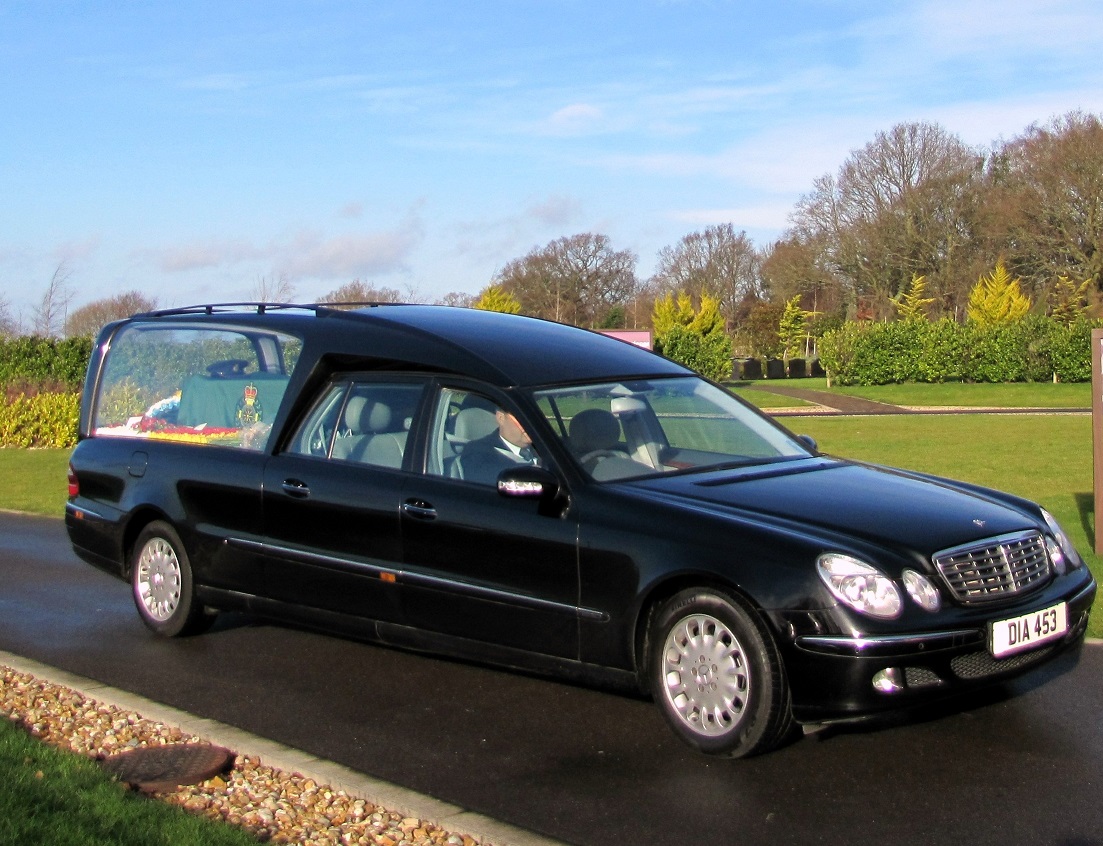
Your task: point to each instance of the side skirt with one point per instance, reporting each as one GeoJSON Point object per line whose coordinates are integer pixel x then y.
{"type": "Point", "coordinates": [418, 640]}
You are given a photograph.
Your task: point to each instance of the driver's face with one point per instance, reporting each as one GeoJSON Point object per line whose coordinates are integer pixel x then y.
{"type": "Point", "coordinates": [511, 430]}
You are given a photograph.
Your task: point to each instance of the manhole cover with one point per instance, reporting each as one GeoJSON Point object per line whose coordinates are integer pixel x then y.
{"type": "Point", "coordinates": [167, 767]}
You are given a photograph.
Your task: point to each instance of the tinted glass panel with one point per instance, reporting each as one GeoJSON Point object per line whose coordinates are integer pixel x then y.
{"type": "Point", "coordinates": [361, 422]}
{"type": "Point", "coordinates": [635, 428]}
{"type": "Point", "coordinates": [206, 386]}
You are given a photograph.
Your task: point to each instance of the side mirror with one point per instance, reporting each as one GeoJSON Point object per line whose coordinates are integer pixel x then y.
{"type": "Point", "coordinates": [809, 442]}
{"type": "Point", "coordinates": [528, 482]}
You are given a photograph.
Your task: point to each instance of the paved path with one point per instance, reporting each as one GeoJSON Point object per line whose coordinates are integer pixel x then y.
{"type": "Point", "coordinates": [839, 403]}
{"type": "Point", "coordinates": [833, 403]}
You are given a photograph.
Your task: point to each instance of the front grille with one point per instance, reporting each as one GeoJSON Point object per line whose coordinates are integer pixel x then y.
{"type": "Point", "coordinates": [920, 677]}
{"type": "Point", "coordinates": [981, 665]}
{"type": "Point", "coordinates": [997, 568]}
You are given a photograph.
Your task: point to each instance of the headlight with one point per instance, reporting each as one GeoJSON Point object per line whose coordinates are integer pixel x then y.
{"type": "Point", "coordinates": [1063, 553]}
{"type": "Point", "coordinates": [920, 589]}
{"type": "Point", "coordinates": [855, 583]}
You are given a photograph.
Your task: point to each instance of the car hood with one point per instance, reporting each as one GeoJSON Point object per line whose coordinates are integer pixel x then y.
{"type": "Point", "coordinates": [874, 504]}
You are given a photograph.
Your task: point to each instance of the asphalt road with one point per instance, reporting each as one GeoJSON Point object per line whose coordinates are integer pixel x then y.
{"type": "Point", "coordinates": [1021, 765]}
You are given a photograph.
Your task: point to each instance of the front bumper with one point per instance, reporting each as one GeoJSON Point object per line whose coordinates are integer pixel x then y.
{"type": "Point", "coordinates": [835, 676]}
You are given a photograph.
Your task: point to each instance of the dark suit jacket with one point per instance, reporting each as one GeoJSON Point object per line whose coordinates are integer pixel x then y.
{"type": "Point", "coordinates": [482, 460]}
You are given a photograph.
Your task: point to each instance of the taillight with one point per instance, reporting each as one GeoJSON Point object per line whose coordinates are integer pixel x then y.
{"type": "Point", "coordinates": [74, 485]}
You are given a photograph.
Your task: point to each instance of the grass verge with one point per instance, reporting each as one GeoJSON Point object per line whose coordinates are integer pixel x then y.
{"type": "Point", "coordinates": [34, 480]}
{"type": "Point", "coordinates": [64, 799]}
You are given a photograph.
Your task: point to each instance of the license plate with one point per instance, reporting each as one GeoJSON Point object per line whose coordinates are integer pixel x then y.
{"type": "Point", "coordinates": [1019, 634]}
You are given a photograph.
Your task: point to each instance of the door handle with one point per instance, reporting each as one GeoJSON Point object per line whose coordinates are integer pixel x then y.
{"type": "Point", "coordinates": [296, 488]}
{"type": "Point", "coordinates": [419, 509]}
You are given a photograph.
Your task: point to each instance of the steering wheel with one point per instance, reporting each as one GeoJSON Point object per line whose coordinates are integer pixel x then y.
{"type": "Point", "coordinates": [227, 367]}
{"type": "Point", "coordinates": [319, 442]}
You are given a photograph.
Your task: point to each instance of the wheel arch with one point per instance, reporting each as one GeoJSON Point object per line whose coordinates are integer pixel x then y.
{"type": "Point", "coordinates": [661, 592]}
{"type": "Point", "coordinates": [135, 524]}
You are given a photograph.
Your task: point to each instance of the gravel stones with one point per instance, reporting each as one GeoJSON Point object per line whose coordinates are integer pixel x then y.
{"type": "Point", "coordinates": [273, 805]}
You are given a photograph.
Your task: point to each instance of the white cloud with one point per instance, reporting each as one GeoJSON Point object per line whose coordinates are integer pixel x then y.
{"type": "Point", "coordinates": [555, 210]}
{"type": "Point", "coordinates": [576, 119]}
{"type": "Point", "coordinates": [303, 253]}
{"type": "Point", "coordinates": [352, 256]}
{"type": "Point", "coordinates": [1005, 27]}
{"type": "Point", "coordinates": [198, 255]}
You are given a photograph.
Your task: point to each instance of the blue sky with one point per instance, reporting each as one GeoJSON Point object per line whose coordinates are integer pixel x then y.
{"type": "Point", "coordinates": [189, 149]}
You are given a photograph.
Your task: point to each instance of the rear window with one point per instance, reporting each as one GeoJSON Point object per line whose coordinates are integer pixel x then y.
{"type": "Point", "coordinates": [201, 385]}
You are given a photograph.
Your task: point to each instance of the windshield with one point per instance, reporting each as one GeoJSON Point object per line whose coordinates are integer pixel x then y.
{"type": "Point", "coordinates": [621, 430]}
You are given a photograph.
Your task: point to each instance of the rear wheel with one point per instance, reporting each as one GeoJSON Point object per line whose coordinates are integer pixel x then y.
{"type": "Point", "coordinates": [716, 674]}
{"type": "Point", "coordinates": [161, 578]}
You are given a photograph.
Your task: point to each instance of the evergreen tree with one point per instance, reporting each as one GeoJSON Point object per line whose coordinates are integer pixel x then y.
{"type": "Point", "coordinates": [911, 305]}
{"type": "Point", "coordinates": [497, 298]}
{"type": "Point", "coordinates": [997, 298]}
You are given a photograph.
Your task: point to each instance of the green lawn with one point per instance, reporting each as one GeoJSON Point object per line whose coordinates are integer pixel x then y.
{"type": "Point", "coordinates": [34, 480]}
{"type": "Point", "coordinates": [64, 799]}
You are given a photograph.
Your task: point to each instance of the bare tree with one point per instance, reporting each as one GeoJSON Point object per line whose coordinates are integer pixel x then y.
{"type": "Point", "coordinates": [8, 325]}
{"type": "Point", "coordinates": [87, 320]}
{"type": "Point", "coordinates": [458, 299]}
{"type": "Point", "coordinates": [1046, 205]}
{"type": "Point", "coordinates": [578, 279]}
{"type": "Point", "coordinates": [273, 290]}
{"type": "Point", "coordinates": [792, 267]}
{"type": "Point", "coordinates": [362, 292]}
{"type": "Point", "coordinates": [49, 316]}
{"type": "Point", "coordinates": [904, 204]}
{"type": "Point", "coordinates": [719, 262]}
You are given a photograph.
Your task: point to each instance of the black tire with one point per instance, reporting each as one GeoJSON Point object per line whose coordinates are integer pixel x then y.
{"type": "Point", "coordinates": [162, 585]}
{"type": "Point", "coordinates": [717, 676]}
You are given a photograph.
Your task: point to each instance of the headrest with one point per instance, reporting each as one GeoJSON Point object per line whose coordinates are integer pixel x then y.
{"type": "Point", "coordinates": [364, 415]}
{"type": "Point", "coordinates": [474, 423]}
{"type": "Point", "coordinates": [594, 429]}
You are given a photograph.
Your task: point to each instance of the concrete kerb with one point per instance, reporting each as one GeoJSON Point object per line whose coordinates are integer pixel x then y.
{"type": "Point", "coordinates": [447, 816]}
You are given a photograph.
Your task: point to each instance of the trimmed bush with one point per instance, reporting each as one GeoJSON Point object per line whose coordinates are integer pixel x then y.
{"type": "Point", "coordinates": [36, 360]}
{"type": "Point", "coordinates": [710, 355]}
{"type": "Point", "coordinates": [43, 420]}
{"type": "Point", "coordinates": [1034, 349]}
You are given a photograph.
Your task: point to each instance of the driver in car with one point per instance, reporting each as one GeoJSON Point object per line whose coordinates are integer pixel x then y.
{"type": "Point", "coordinates": [483, 459]}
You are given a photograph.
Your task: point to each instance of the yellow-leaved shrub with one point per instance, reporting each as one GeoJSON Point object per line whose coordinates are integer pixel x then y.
{"type": "Point", "coordinates": [42, 420]}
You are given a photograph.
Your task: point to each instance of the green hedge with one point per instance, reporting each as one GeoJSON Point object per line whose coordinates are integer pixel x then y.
{"type": "Point", "coordinates": [32, 359]}
{"type": "Point", "coordinates": [1036, 349]}
{"type": "Point", "coordinates": [43, 420]}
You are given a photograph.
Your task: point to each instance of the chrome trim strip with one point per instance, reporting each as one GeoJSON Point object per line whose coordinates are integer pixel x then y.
{"type": "Point", "coordinates": [87, 512]}
{"type": "Point", "coordinates": [984, 543]}
{"type": "Point", "coordinates": [407, 577]}
{"type": "Point", "coordinates": [882, 644]}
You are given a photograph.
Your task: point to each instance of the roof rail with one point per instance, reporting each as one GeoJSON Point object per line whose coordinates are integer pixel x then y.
{"type": "Point", "coordinates": [261, 308]}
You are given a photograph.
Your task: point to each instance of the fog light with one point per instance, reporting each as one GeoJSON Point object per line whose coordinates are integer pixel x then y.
{"type": "Point", "coordinates": [889, 680]}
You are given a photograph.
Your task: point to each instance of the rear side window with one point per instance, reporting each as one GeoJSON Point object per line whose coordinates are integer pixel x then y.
{"type": "Point", "coordinates": [201, 385]}
{"type": "Point", "coordinates": [361, 421]}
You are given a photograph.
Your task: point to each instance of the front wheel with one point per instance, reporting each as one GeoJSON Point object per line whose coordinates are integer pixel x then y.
{"type": "Point", "coordinates": [717, 676]}
{"type": "Point", "coordinates": [163, 589]}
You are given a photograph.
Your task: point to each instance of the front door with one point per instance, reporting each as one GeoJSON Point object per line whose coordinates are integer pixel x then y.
{"type": "Point", "coordinates": [480, 565]}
